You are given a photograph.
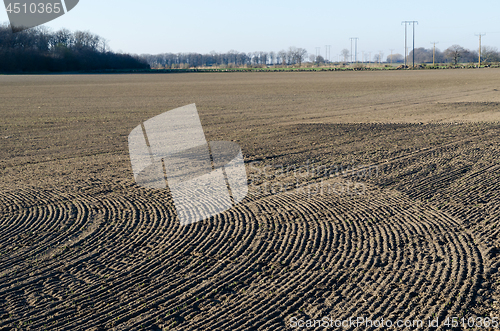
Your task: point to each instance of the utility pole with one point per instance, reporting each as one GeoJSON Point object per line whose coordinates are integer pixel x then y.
{"type": "Point", "coordinates": [406, 38]}
{"type": "Point", "coordinates": [317, 52]}
{"type": "Point", "coordinates": [351, 49]}
{"type": "Point", "coordinates": [363, 57]}
{"type": "Point", "coordinates": [414, 43]}
{"type": "Point", "coordinates": [391, 56]}
{"type": "Point", "coordinates": [480, 35]}
{"type": "Point", "coordinates": [434, 53]}
{"type": "Point", "coordinates": [327, 48]}
{"type": "Point", "coordinates": [355, 49]}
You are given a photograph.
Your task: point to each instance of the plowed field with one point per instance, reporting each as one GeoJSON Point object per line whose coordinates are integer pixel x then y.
{"type": "Point", "coordinates": [83, 247]}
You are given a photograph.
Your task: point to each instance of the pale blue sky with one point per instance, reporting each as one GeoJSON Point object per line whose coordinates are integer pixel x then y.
{"type": "Point", "coordinates": [202, 26]}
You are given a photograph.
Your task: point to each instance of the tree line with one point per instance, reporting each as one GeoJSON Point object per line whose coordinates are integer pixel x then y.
{"type": "Point", "coordinates": [297, 56]}
{"type": "Point", "coordinates": [292, 56]}
{"type": "Point", "coordinates": [39, 49]}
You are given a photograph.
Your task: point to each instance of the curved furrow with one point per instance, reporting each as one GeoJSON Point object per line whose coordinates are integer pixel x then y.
{"type": "Point", "coordinates": [286, 255]}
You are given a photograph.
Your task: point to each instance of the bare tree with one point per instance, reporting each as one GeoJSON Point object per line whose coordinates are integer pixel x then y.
{"type": "Point", "coordinates": [232, 57]}
{"type": "Point", "coordinates": [263, 56]}
{"type": "Point", "coordinates": [292, 55]}
{"type": "Point", "coordinates": [490, 54]}
{"type": "Point", "coordinates": [86, 39]}
{"type": "Point", "coordinates": [395, 58]}
{"type": "Point", "coordinates": [272, 58]}
{"type": "Point", "coordinates": [345, 54]}
{"type": "Point", "coordinates": [301, 55]}
{"type": "Point", "coordinates": [454, 53]}
{"type": "Point", "coordinates": [62, 37]}
{"type": "Point", "coordinates": [282, 57]}
{"type": "Point", "coordinates": [469, 56]}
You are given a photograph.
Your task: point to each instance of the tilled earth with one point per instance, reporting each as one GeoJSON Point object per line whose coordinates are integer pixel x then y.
{"type": "Point", "coordinates": [371, 194]}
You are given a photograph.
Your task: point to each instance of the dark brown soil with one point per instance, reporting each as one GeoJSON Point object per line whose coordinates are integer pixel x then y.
{"type": "Point", "coordinates": [82, 247]}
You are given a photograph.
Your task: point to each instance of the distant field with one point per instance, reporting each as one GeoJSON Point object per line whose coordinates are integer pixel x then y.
{"type": "Point", "coordinates": [82, 247]}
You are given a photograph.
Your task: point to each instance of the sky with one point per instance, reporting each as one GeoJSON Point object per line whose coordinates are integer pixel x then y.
{"type": "Point", "coordinates": [165, 26]}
